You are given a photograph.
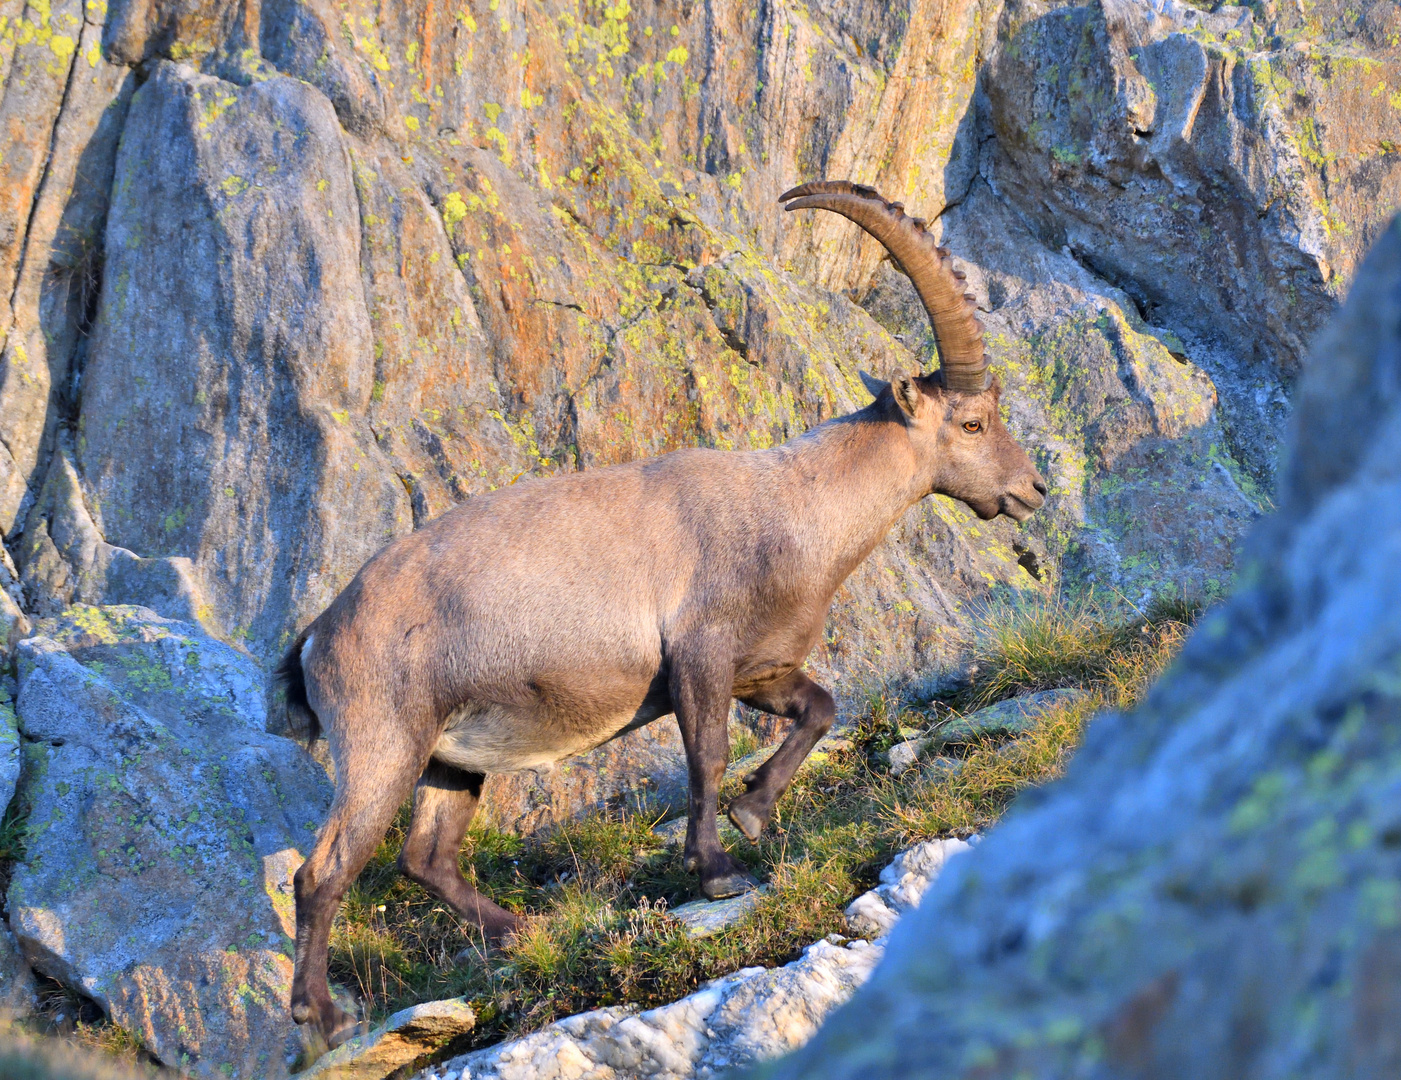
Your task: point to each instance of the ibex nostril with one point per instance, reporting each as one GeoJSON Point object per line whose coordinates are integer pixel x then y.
{"type": "Point", "coordinates": [1040, 486]}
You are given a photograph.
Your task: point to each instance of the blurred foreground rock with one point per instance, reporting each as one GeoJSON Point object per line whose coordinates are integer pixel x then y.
{"type": "Point", "coordinates": [1214, 889]}
{"type": "Point", "coordinates": [165, 824]}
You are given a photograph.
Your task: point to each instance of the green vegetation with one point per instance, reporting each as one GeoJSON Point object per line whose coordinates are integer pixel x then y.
{"type": "Point", "coordinates": [12, 830]}
{"type": "Point", "coordinates": [600, 888]}
{"type": "Point", "coordinates": [1020, 648]}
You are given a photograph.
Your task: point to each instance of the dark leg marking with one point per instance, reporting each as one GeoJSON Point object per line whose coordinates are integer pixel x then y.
{"type": "Point", "coordinates": [372, 783]}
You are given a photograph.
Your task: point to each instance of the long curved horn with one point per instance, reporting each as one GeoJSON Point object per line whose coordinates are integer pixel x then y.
{"type": "Point", "coordinates": [957, 330]}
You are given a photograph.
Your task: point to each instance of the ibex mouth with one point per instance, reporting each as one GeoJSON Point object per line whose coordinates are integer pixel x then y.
{"type": "Point", "coordinates": [1020, 508]}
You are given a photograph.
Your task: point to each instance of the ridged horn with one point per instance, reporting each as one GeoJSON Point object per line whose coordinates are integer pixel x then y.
{"type": "Point", "coordinates": [952, 314]}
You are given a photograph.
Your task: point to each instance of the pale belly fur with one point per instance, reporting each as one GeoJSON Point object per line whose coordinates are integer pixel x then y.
{"type": "Point", "coordinates": [490, 738]}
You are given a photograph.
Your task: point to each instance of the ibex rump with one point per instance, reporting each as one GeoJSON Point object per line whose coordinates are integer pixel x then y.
{"type": "Point", "coordinates": [546, 618]}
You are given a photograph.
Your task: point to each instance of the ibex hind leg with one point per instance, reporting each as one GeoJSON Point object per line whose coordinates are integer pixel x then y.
{"type": "Point", "coordinates": [443, 805]}
{"type": "Point", "coordinates": [373, 778]}
{"type": "Point", "coordinates": [801, 699]}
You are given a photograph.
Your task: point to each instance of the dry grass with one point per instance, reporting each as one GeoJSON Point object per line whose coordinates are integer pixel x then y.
{"type": "Point", "coordinates": [67, 1019]}
{"type": "Point", "coordinates": [600, 887]}
{"type": "Point", "coordinates": [1087, 642]}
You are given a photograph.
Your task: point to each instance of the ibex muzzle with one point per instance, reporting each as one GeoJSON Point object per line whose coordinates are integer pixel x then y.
{"type": "Point", "coordinates": [546, 618]}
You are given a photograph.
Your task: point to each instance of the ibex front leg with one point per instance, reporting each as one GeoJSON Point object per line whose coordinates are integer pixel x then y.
{"type": "Point", "coordinates": [700, 692]}
{"type": "Point", "coordinates": [800, 698]}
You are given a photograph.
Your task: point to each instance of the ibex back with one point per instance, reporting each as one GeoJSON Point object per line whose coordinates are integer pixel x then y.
{"type": "Point", "coordinates": [546, 618]}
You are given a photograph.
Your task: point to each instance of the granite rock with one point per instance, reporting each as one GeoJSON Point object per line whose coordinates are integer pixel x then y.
{"type": "Point", "coordinates": [165, 824]}
{"type": "Point", "coordinates": [407, 1035]}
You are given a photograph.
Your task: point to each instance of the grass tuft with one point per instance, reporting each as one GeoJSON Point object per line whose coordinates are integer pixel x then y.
{"type": "Point", "coordinates": [1086, 642]}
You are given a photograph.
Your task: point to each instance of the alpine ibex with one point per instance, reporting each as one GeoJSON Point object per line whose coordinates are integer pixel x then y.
{"type": "Point", "coordinates": [546, 618]}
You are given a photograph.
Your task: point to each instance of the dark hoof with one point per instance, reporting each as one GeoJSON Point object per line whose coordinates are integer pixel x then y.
{"type": "Point", "coordinates": [747, 821]}
{"type": "Point", "coordinates": [321, 1037]}
{"type": "Point", "coordinates": [732, 884]}
{"type": "Point", "coordinates": [347, 1027]}
{"type": "Point", "coordinates": [504, 934]}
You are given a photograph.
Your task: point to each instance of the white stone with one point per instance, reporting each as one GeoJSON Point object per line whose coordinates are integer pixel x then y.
{"type": "Point", "coordinates": [904, 755]}
{"type": "Point", "coordinates": [755, 1014]}
{"type": "Point", "coordinates": [902, 885]}
{"type": "Point", "coordinates": [870, 914]}
{"type": "Point", "coordinates": [702, 918]}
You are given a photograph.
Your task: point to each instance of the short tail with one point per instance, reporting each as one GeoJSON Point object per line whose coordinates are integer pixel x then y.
{"type": "Point", "coordinates": [289, 682]}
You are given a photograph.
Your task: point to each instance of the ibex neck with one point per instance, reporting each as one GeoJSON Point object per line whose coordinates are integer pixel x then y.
{"type": "Point", "coordinates": [855, 476]}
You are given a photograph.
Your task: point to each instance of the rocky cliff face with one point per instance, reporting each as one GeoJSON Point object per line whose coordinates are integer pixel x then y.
{"type": "Point", "coordinates": [1212, 891]}
{"type": "Point", "coordinates": [283, 279]}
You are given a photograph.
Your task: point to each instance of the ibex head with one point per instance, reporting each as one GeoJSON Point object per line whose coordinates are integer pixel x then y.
{"type": "Point", "coordinates": [951, 414]}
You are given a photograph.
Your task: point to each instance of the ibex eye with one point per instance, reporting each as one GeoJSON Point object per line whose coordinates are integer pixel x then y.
{"type": "Point", "coordinates": [973, 426]}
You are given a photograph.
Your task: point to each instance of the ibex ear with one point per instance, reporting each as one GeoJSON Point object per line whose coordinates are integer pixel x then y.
{"type": "Point", "coordinates": [873, 386]}
{"type": "Point", "coordinates": [906, 393]}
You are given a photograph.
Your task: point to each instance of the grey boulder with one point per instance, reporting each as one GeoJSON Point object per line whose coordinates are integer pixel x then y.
{"type": "Point", "coordinates": [164, 828]}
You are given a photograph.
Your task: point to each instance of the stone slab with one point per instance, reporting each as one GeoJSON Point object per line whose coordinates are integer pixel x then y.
{"type": "Point", "coordinates": [406, 1036]}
